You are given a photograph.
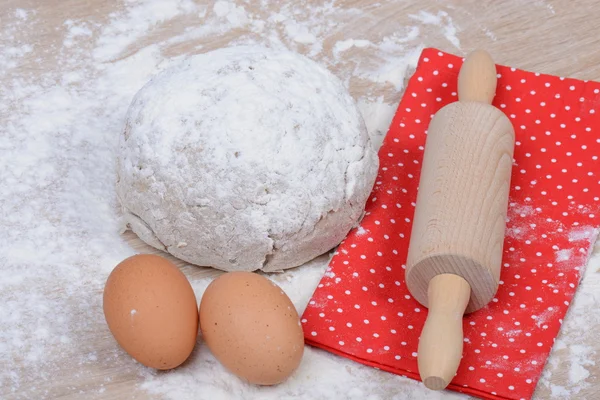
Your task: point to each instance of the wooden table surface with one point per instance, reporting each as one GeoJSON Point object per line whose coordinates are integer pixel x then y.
{"type": "Point", "coordinates": [555, 37]}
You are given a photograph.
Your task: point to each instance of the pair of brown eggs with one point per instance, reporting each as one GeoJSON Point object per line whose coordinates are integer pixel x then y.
{"type": "Point", "coordinates": [248, 323]}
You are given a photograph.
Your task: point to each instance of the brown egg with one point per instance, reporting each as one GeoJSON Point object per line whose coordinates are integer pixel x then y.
{"type": "Point", "coordinates": [252, 327]}
{"type": "Point", "coordinates": [150, 309]}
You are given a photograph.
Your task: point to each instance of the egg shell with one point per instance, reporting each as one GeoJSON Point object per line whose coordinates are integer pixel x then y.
{"type": "Point", "coordinates": [252, 327]}
{"type": "Point", "coordinates": [150, 309]}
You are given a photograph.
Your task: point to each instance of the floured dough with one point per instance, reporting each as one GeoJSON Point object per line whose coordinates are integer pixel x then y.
{"type": "Point", "coordinates": [244, 158]}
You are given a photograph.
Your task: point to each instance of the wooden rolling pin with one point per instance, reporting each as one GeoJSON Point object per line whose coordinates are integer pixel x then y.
{"type": "Point", "coordinates": [457, 238]}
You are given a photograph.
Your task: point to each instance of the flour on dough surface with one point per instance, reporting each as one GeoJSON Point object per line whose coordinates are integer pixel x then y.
{"type": "Point", "coordinates": [245, 158]}
{"type": "Point", "coordinates": [60, 235]}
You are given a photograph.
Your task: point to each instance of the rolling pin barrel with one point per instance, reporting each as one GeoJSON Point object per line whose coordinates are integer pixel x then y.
{"type": "Point", "coordinates": [457, 238]}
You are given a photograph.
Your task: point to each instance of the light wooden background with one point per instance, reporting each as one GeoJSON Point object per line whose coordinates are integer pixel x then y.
{"type": "Point", "coordinates": [557, 37]}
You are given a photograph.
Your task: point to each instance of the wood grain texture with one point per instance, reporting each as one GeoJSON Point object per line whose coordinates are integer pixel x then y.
{"type": "Point", "coordinates": [460, 213]}
{"type": "Point", "coordinates": [556, 37]}
{"type": "Point", "coordinates": [455, 250]}
{"type": "Point", "coordinates": [477, 80]}
{"type": "Point", "coordinates": [441, 341]}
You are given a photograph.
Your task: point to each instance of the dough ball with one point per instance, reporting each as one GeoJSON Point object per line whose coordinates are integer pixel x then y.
{"type": "Point", "coordinates": [244, 158]}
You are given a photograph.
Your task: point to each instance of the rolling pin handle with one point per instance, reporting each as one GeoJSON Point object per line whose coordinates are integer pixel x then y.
{"type": "Point", "coordinates": [441, 341]}
{"type": "Point", "coordinates": [477, 78]}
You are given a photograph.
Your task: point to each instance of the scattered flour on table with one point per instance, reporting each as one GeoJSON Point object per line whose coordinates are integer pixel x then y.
{"type": "Point", "coordinates": [59, 220]}
{"type": "Point", "coordinates": [440, 19]}
{"type": "Point", "coordinates": [583, 233]}
{"type": "Point", "coordinates": [361, 231]}
{"type": "Point", "coordinates": [563, 255]}
{"type": "Point", "coordinates": [576, 330]}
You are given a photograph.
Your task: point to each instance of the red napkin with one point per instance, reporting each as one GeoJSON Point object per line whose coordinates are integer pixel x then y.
{"type": "Point", "coordinates": [362, 309]}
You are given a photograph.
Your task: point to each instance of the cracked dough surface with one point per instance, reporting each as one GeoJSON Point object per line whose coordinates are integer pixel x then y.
{"type": "Point", "coordinates": [244, 158]}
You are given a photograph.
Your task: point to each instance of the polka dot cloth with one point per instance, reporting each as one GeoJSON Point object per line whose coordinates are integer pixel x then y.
{"type": "Point", "coordinates": [362, 309]}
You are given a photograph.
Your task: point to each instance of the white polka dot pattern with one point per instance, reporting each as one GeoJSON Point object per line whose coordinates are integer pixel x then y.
{"type": "Point", "coordinates": [362, 309]}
